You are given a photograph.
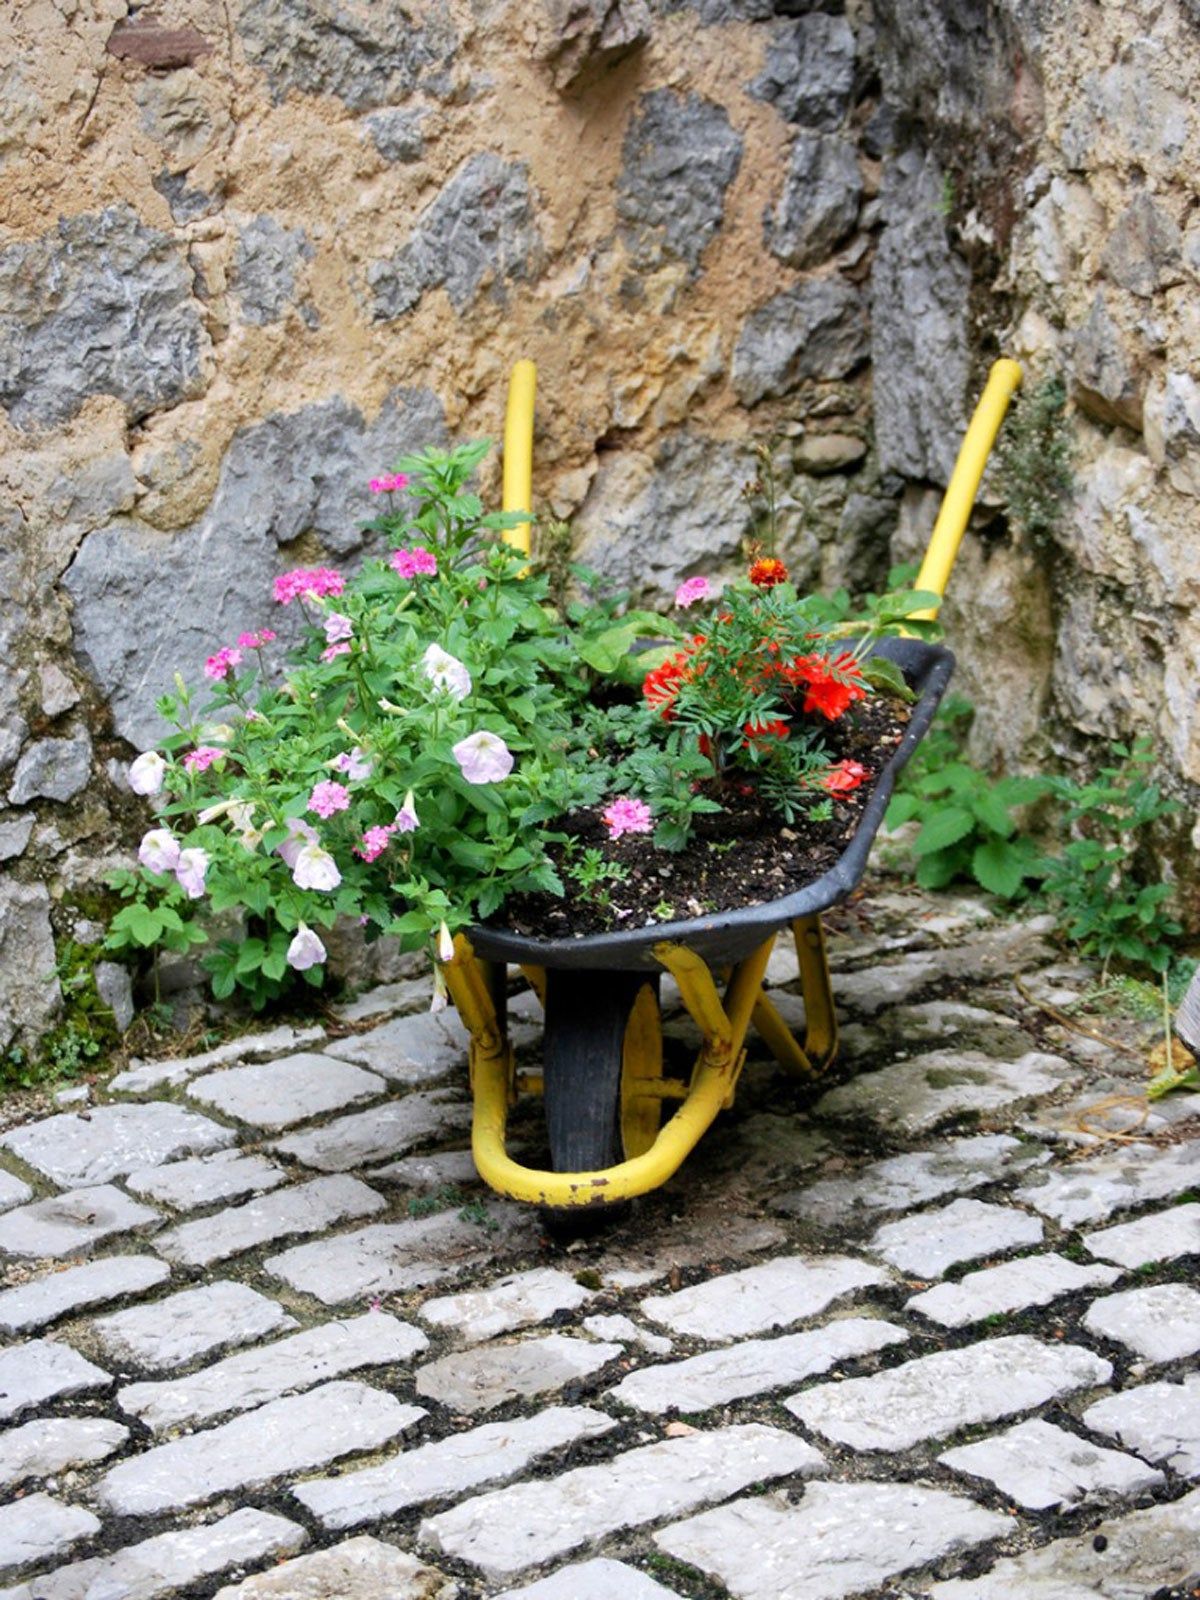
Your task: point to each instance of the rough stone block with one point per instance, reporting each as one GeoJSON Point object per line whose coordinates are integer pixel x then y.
{"type": "Point", "coordinates": [936, 1395]}
{"type": "Point", "coordinates": [52, 769]}
{"type": "Point", "coordinates": [911, 1097]}
{"type": "Point", "coordinates": [28, 999]}
{"type": "Point", "coordinates": [679, 156]}
{"type": "Point", "coordinates": [147, 1075]}
{"type": "Point", "coordinates": [450, 1466]}
{"type": "Point", "coordinates": [38, 1527]}
{"type": "Point", "coordinates": [360, 1569]}
{"type": "Point", "coordinates": [277, 1094]}
{"type": "Point", "coordinates": [43, 1300]}
{"type": "Point", "coordinates": [413, 1050]}
{"type": "Point", "coordinates": [386, 1130]}
{"type": "Point", "coordinates": [1043, 1468]}
{"type": "Point", "coordinates": [1161, 1237]}
{"type": "Point", "coordinates": [600, 1579]}
{"type": "Point", "coordinates": [508, 1530]}
{"type": "Point", "coordinates": [78, 1149]}
{"type": "Point", "coordinates": [809, 71]}
{"type": "Point", "coordinates": [40, 1370]}
{"type": "Point", "coordinates": [480, 1379]}
{"type": "Point", "coordinates": [13, 1192]}
{"type": "Point", "coordinates": [774, 1294]}
{"type": "Point", "coordinates": [1091, 1190]}
{"type": "Point", "coordinates": [819, 203]}
{"type": "Point", "coordinates": [301, 1208]}
{"type": "Point", "coordinates": [816, 330]}
{"type": "Point", "coordinates": [931, 1241]}
{"type": "Point", "coordinates": [1161, 1322]}
{"type": "Point", "coordinates": [172, 1332]}
{"type": "Point", "coordinates": [277, 1439]}
{"type": "Point", "coordinates": [52, 1444]}
{"type": "Point", "coordinates": [1161, 1421]}
{"type": "Point", "coordinates": [203, 1180]}
{"type": "Point", "coordinates": [510, 1303]}
{"type": "Point", "coordinates": [68, 1224]}
{"type": "Point", "coordinates": [1012, 1286]}
{"type": "Point", "coordinates": [842, 1539]}
{"type": "Point", "coordinates": [268, 260]}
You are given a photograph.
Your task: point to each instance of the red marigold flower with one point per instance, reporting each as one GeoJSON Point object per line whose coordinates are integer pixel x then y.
{"type": "Point", "coordinates": [661, 683]}
{"type": "Point", "coordinates": [767, 572]}
{"type": "Point", "coordinates": [756, 732]}
{"type": "Point", "coordinates": [825, 693]}
{"type": "Point", "coordinates": [843, 777]}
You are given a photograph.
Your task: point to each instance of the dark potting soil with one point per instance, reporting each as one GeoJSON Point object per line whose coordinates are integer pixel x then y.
{"type": "Point", "coordinates": [743, 855]}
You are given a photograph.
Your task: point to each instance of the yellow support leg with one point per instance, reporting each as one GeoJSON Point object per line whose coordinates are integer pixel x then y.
{"type": "Point", "coordinates": [518, 451]}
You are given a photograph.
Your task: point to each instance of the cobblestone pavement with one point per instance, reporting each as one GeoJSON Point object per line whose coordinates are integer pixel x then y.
{"type": "Point", "coordinates": [918, 1333]}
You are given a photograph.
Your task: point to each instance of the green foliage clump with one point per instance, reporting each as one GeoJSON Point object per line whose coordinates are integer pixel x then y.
{"type": "Point", "coordinates": [86, 1030]}
{"type": "Point", "coordinates": [1035, 460]}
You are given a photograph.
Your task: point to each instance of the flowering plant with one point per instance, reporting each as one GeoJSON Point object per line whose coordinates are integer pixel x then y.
{"type": "Point", "coordinates": [421, 757]}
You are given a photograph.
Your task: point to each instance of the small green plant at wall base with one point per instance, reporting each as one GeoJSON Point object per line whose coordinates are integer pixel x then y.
{"type": "Point", "coordinates": [1035, 455]}
{"type": "Point", "coordinates": [1106, 904]}
{"type": "Point", "coordinates": [967, 825]}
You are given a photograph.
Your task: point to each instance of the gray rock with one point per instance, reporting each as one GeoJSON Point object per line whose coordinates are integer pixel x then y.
{"type": "Point", "coordinates": [397, 135]}
{"type": "Point", "coordinates": [514, 1302]}
{"type": "Point", "coordinates": [104, 305]}
{"type": "Point", "coordinates": [819, 203]}
{"type": "Point", "coordinates": [282, 478]}
{"type": "Point", "coordinates": [774, 1294]}
{"type": "Point", "coordinates": [115, 987]}
{"type": "Point", "coordinates": [205, 1179]}
{"type": "Point", "coordinates": [277, 1094]}
{"type": "Point", "coordinates": [754, 1366]}
{"type": "Point", "coordinates": [13, 1192]}
{"type": "Point", "coordinates": [169, 1562]}
{"type": "Point", "coordinates": [172, 1332]}
{"type": "Point", "coordinates": [679, 157]}
{"type": "Point", "coordinates": [919, 351]}
{"type": "Point", "coordinates": [494, 1374]}
{"type": "Point", "coordinates": [1147, 1552]}
{"type": "Point", "coordinates": [269, 1371]}
{"type": "Point", "coordinates": [911, 1097]}
{"type": "Point", "coordinates": [808, 74]}
{"type": "Point", "coordinates": [38, 1527]}
{"type": "Point", "coordinates": [1012, 1286]}
{"type": "Point", "coordinates": [360, 1569]}
{"type": "Point", "coordinates": [1155, 1238]}
{"type": "Point", "coordinates": [450, 1466]}
{"type": "Point", "coordinates": [52, 1444]}
{"type": "Point", "coordinates": [145, 1075]}
{"type": "Point", "coordinates": [43, 1300]}
{"type": "Point", "coordinates": [508, 1530]}
{"type": "Point", "coordinates": [70, 1224]}
{"type": "Point", "coordinates": [583, 38]}
{"type": "Point", "coordinates": [453, 1169]}
{"type": "Point", "coordinates": [40, 1370]}
{"type": "Point", "coordinates": [375, 55]}
{"type": "Point", "coordinates": [600, 1579]}
{"type": "Point", "coordinates": [29, 989]}
{"type": "Point", "coordinates": [301, 1208]}
{"type": "Point", "coordinates": [939, 1394]}
{"type": "Point", "coordinates": [386, 1130]}
{"type": "Point", "coordinates": [414, 1049]}
{"type": "Point", "coordinates": [77, 1149]}
{"type": "Point", "coordinates": [1044, 1468]}
{"type": "Point", "coordinates": [14, 835]}
{"type": "Point", "coordinates": [931, 1241]}
{"type": "Point", "coordinates": [1106, 377]}
{"type": "Point", "coordinates": [52, 769]}
{"type": "Point", "coordinates": [1161, 1323]}
{"type": "Point", "coordinates": [480, 228]}
{"type": "Point", "coordinates": [1161, 1421]}
{"type": "Point", "coordinates": [816, 330]}
{"type": "Point", "coordinates": [1092, 1189]}
{"type": "Point", "coordinates": [1181, 431]}
{"type": "Point", "coordinates": [842, 1538]}
{"type": "Point", "coordinates": [265, 267]}
{"type": "Point", "coordinates": [55, 690]}
{"type": "Point", "coordinates": [1144, 251]}
{"type": "Point", "coordinates": [277, 1438]}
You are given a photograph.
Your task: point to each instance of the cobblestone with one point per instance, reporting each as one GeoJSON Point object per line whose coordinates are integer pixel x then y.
{"type": "Point", "coordinates": [277, 1094]}
{"type": "Point", "coordinates": [914, 1096]}
{"type": "Point", "coordinates": [367, 1136]}
{"type": "Point", "coordinates": [68, 1224]}
{"type": "Point", "coordinates": [1161, 1421]}
{"type": "Point", "coordinates": [1161, 1237]}
{"type": "Point", "coordinates": [38, 1527]}
{"type": "Point", "coordinates": [601, 1579]}
{"type": "Point", "coordinates": [509, 1530]}
{"type": "Point", "coordinates": [1012, 1286]}
{"type": "Point", "coordinates": [1090, 1191]}
{"type": "Point", "coordinates": [1161, 1322]}
{"type": "Point", "coordinates": [203, 1180]}
{"type": "Point", "coordinates": [194, 1322]}
{"type": "Point", "coordinates": [76, 1150]}
{"type": "Point", "coordinates": [277, 1439]}
{"type": "Point", "coordinates": [147, 1075]}
{"type": "Point", "coordinates": [412, 1050]}
{"type": "Point", "coordinates": [451, 1466]}
{"type": "Point", "coordinates": [1146, 1553]}
{"type": "Point", "coordinates": [39, 1449]}
{"type": "Point", "coordinates": [361, 1569]}
{"type": "Point", "coordinates": [1044, 1468]}
{"type": "Point", "coordinates": [480, 1379]}
{"type": "Point", "coordinates": [13, 1191]}
{"type": "Point", "coordinates": [169, 1562]}
{"type": "Point", "coordinates": [931, 1241]}
{"type": "Point", "coordinates": [775, 1294]}
{"type": "Point", "coordinates": [626, 1331]}
{"type": "Point", "coordinates": [753, 1367]}
{"type": "Point", "coordinates": [303, 1208]}
{"type": "Point", "coordinates": [841, 1539]}
{"type": "Point", "coordinates": [40, 1370]}
{"type": "Point", "coordinates": [44, 1300]}
{"type": "Point", "coordinates": [936, 1395]}
{"type": "Point", "coordinates": [270, 1371]}
{"type": "Point", "coordinates": [511, 1303]}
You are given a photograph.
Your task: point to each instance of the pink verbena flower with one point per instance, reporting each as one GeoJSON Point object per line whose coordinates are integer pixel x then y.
{"type": "Point", "coordinates": [691, 590]}
{"type": "Point", "coordinates": [389, 482]}
{"type": "Point", "coordinates": [255, 641]}
{"type": "Point", "coordinates": [335, 650]}
{"type": "Point", "coordinates": [308, 583]}
{"type": "Point", "coordinates": [374, 843]}
{"type": "Point", "coordinates": [201, 758]}
{"type": "Point", "coordinates": [627, 815]}
{"type": "Point", "coordinates": [337, 628]}
{"type": "Point", "coordinates": [328, 797]}
{"type": "Point", "coordinates": [417, 562]}
{"type": "Point", "coordinates": [223, 663]}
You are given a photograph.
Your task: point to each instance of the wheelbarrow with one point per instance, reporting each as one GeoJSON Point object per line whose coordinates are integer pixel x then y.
{"type": "Point", "coordinates": [602, 1080]}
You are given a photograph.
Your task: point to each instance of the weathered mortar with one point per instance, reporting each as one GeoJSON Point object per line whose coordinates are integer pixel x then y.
{"type": "Point", "coordinates": [252, 252]}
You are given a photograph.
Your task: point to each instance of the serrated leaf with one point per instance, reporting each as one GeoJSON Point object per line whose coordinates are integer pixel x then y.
{"type": "Point", "coordinates": [944, 827]}
{"type": "Point", "coordinates": [998, 868]}
{"type": "Point", "coordinates": [903, 808]}
{"type": "Point", "coordinates": [937, 870]}
{"type": "Point", "coordinates": [1020, 791]}
{"type": "Point", "coordinates": [991, 811]}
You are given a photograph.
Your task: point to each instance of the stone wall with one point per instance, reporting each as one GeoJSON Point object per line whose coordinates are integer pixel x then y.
{"type": "Point", "coordinates": [253, 250]}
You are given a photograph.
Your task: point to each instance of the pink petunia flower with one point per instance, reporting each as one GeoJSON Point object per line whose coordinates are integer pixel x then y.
{"type": "Point", "coordinates": [305, 950]}
{"type": "Point", "coordinates": [627, 815]}
{"type": "Point", "coordinates": [147, 772]}
{"type": "Point", "coordinates": [300, 833]}
{"type": "Point", "coordinates": [201, 758]}
{"type": "Point", "coordinates": [691, 590]}
{"type": "Point", "coordinates": [407, 820]}
{"type": "Point", "coordinates": [417, 562]}
{"type": "Point", "coordinates": [223, 663]}
{"type": "Point", "coordinates": [374, 842]}
{"type": "Point", "coordinates": [308, 583]}
{"type": "Point", "coordinates": [328, 797]}
{"type": "Point", "coordinates": [315, 869]}
{"type": "Point", "coordinates": [337, 628]}
{"type": "Point", "coordinates": [190, 870]}
{"type": "Point", "coordinates": [335, 650]}
{"type": "Point", "coordinates": [483, 757]}
{"type": "Point", "coordinates": [159, 850]}
{"type": "Point", "coordinates": [447, 672]}
{"type": "Point", "coordinates": [354, 763]}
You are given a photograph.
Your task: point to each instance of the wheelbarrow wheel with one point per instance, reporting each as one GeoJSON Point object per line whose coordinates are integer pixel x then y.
{"type": "Point", "coordinates": [602, 1036]}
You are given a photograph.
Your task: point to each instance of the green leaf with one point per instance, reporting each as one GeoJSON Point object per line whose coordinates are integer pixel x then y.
{"type": "Point", "coordinates": [902, 808]}
{"type": "Point", "coordinates": [945, 826]}
{"type": "Point", "coordinates": [998, 868]}
{"type": "Point", "coordinates": [885, 674]}
{"type": "Point", "coordinates": [937, 870]}
{"type": "Point", "coordinates": [991, 811]}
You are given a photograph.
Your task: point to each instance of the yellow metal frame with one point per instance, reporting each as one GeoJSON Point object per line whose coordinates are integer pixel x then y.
{"type": "Point", "coordinates": [723, 1020]}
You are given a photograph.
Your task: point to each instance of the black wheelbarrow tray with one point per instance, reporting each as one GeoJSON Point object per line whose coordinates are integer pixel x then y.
{"type": "Point", "coordinates": [602, 1074]}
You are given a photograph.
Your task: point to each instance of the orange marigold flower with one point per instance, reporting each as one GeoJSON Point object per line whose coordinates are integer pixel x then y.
{"type": "Point", "coordinates": [843, 777]}
{"type": "Point", "coordinates": [661, 684]}
{"type": "Point", "coordinates": [824, 692]}
{"type": "Point", "coordinates": [767, 572]}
